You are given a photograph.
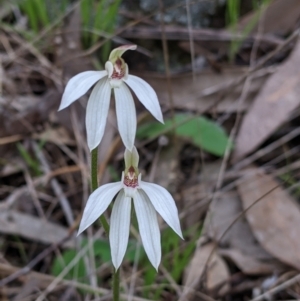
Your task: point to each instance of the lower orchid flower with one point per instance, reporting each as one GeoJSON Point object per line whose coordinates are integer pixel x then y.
{"type": "Point", "coordinates": [147, 198]}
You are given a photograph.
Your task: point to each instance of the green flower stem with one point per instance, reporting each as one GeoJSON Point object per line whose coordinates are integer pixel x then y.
{"type": "Point", "coordinates": [116, 285]}
{"type": "Point", "coordinates": [94, 176]}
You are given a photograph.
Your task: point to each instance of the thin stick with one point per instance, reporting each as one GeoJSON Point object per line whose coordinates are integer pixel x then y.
{"type": "Point", "coordinates": [65, 205]}
{"type": "Point", "coordinates": [278, 288]}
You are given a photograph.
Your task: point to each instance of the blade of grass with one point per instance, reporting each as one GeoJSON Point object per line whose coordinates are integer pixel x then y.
{"type": "Point", "coordinates": [85, 9]}
{"type": "Point", "coordinates": [100, 16]}
{"type": "Point", "coordinates": [41, 11]}
{"type": "Point", "coordinates": [29, 9]}
{"type": "Point", "coordinates": [33, 164]}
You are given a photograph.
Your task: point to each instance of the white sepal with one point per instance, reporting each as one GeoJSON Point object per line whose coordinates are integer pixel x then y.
{"type": "Point", "coordinates": [126, 115]}
{"type": "Point", "coordinates": [131, 158]}
{"type": "Point", "coordinates": [118, 52]}
{"type": "Point", "coordinates": [148, 227]}
{"type": "Point", "coordinates": [96, 113]}
{"type": "Point", "coordinates": [146, 95]}
{"type": "Point", "coordinates": [79, 85]}
{"type": "Point", "coordinates": [119, 228]}
{"type": "Point", "coordinates": [164, 204]}
{"type": "Point", "coordinates": [97, 203]}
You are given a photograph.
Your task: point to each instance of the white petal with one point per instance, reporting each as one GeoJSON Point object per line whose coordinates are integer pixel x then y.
{"type": "Point", "coordinates": [148, 227]}
{"type": "Point", "coordinates": [129, 191]}
{"type": "Point", "coordinates": [126, 115]}
{"type": "Point", "coordinates": [164, 204]}
{"type": "Point", "coordinates": [79, 85]}
{"type": "Point", "coordinates": [119, 228]}
{"type": "Point", "coordinates": [96, 113]}
{"type": "Point", "coordinates": [98, 203]}
{"type": "Point", "coordinates": [109, 67]}
{"type": "Point", "coordinates": [146, 95]}
{"type": "Point", "coordinates": [126, 72]}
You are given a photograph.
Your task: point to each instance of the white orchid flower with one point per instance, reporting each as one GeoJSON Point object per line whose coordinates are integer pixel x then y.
{"type": "Point", "coordinates": [147, 199]}
{"type": "Point", "coordinates": [113, 77]}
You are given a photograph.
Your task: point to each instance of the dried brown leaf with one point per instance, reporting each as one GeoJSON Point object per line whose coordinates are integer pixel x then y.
{"type": "Point", "coordinates": [222, 212]}
{"type": "Point", "coordinates": [164, 167]}
{"type": "Point", "coordinates": [33, 228]}
{"type": "Point", "coordinates": [215, 269]}
{"type": "Point", "coordinates": [196, 198]}
{"type": "Point", "coordinates": [218, 275]}
{"type": "Point", "coordinates": [274, 18]}
{"type": "Point", "coordinates": [278, 98]}
{"type": "Point", "coordinates": [248, 264]}
{"type": "Point", "coordinates": [244, 250]}
{"type": "Point", "coordinates": [275, 219]}
{"type": "Point", "coordinates": [55, 135]}
{"type": "Point", "coordinates": [23, 120]}
{"type": "Point", "coordinates": [208, 89]}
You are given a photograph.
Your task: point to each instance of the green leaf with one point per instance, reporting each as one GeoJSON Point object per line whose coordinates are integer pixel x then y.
{"type": "Point", "coordinates": [77, 272]}
{"type": "Point", "coordinates": [101, 252]}
{"type": "Point", "coordinates": [132, 249]}
{"type": "Point", "coordinates": [199, 130]}
{"type": "Point", "coordinates": [102, 249]}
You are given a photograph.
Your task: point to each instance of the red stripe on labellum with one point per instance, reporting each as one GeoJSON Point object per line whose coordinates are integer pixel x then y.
{"type": "Point", "coordinates": [129, 182]}
{"type": "Point", "coordinates": [119, 70]}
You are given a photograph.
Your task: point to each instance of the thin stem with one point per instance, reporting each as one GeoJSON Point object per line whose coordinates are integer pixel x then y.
{"type": "Point", "coordinates": [116, 285]}
{"type": "Point", "coordinates": [94, 176]}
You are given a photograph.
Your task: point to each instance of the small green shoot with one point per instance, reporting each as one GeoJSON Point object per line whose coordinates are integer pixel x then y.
{"type": "Point", "coordinates": [98, 16]}
{"type": "Point", "coordinates": [32, 163]}
{"type": "Point", "coordinates": [290, 181]}
{"type": "Point", "coordinates": [36, 11]}
{"type": "Point", "coordinates": [21, 249]}
{"type": "Point", "coordinates": [175, 260]}
{"type": "Point", "coordinates": [101, 251]}
{"type": "Point", "coordinates": [232, 18]}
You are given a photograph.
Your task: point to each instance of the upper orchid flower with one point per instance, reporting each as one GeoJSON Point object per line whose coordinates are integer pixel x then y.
{"type": "Point", "coordinates": [147, 198]}
{"type": "Point", "coordinates": [113, 77]}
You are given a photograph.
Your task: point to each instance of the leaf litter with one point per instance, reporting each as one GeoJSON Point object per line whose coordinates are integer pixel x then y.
{"type": "Point", "coordinates": [241, 252]}
{"type": "Point", "coordinates": [274, 221]}
{"type": "Point", "coordinates": [280, 96]}
{"type": "Point", "coordinates": [238, 243]}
